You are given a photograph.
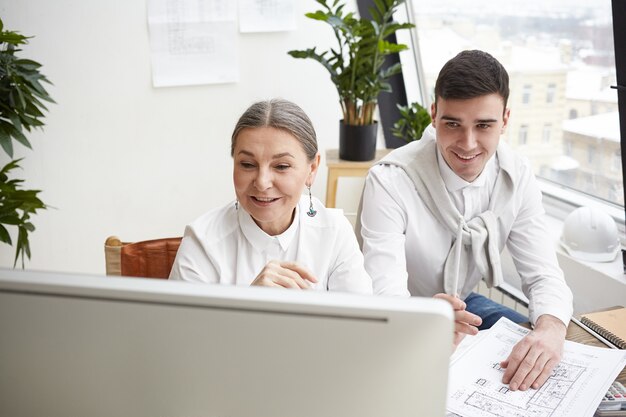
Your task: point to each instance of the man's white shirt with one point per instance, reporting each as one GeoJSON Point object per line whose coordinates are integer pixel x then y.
{"type": "Point", "coordinates": [405, 247]}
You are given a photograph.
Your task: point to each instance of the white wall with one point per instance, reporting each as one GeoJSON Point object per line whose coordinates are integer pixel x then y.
{"type": "Point", "coordinates": [118, 156]}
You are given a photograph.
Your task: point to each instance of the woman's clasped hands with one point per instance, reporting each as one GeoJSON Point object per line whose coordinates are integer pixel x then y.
{"type": "Point", "coordinates": [285, 274]}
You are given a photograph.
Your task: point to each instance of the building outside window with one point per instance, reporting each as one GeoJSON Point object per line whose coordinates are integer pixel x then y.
{"type": "Point", "coordinates": [526, 93]}
{"type": "Point", "coordinates": [591, 154]}
{"type": "Point", "coordinates": [545, 136]}
{"type": "Point", "coordinates": [523, 135]}
{"type": "Point", "coordinates": [568, 147]}
{"type": "Point", "coordinates": [616, 161]}
{"type": "Point", "coordinates": [551, 92]}
{"type": "Point", "coordinates": [561, 63]}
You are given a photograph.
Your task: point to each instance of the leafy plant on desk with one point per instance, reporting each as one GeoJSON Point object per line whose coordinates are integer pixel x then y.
{"type": "Point", "coordinates": [21, 109]}
{"type": "Point", "coordinates": [356, 65]}
{"type": "Point", "coordinates": [413, 120]}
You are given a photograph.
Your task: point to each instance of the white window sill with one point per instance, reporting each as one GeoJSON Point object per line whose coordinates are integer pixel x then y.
{"type": "Point", "coordinates": [613, 269]}
{"type": "Point", "coordinates": [595, 285]}
{"type": "Point", "coordinates": [560, 201]}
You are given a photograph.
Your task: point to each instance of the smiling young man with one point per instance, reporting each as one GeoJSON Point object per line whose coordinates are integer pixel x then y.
{"type": "Point", "coordinates": [460, 180]}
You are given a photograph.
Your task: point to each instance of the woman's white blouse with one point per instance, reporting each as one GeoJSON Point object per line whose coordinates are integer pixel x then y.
{"type": "Point", "coordinates": [226, 246]}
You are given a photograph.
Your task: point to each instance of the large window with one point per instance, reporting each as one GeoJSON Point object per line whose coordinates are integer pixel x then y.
{"type": "Point", "coordinates": [560, 59]}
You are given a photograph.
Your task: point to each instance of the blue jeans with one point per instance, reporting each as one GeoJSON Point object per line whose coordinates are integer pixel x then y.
{"type": "Point", "coordinates": [490, 311]}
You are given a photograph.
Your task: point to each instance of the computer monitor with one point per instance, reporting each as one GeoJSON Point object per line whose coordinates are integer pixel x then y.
{"type": "Point", "coordinates": [74, 345]}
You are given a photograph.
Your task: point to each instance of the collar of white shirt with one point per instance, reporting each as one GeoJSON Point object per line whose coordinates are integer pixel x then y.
{"type": "Point", "coordinates": [455, 183]}
{"type": "Point", "coordinates": [261, 240]}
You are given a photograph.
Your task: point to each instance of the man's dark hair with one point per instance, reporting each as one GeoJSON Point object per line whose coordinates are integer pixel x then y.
{"type": "Point", "coordinates": [472, 74]}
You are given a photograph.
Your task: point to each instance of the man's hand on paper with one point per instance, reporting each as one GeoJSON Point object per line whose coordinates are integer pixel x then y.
{"type": "Point", "coordinates": [534, 357]}
{"type": "Point", "coordinates": [464, 321]}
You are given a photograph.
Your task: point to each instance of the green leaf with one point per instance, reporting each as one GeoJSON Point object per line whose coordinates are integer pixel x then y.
{"type": "Point", "coordinates": [10, 205]}
{"type": "Point", "coordinates": [385, 86]}
{"type": "Point", "coordinates": [4, 235]}
{"type": "Point", "coordinates": [15, 120]}
{"type": "Point", "coordinates": [13, 38]}
{"type": "Point", "coordinates": [33, 81]}
{"type": "Point", "coordinates": [34, 95]}
{"type": "Point", "coordinates": [318, 15]}
{"type": "Point", "coordinates": [336, 22]}
{"type": "Point", "coordinates": [10, 166]}
{"type": "Point", "coordinates": [16, 207]}
{"type": "Point", "coordinates": [28, 63]}
{"type": "Point", "coordinates": [5, 142]}
{"type": "Point", "coordinates": [390, 48]}
{"type": "Point", "coordinates": [19, 136]}
{"type": "Point", "coordinates": [25, 244]}
{"type": "Point", "coordinates": [391, 70]}
{"type": "Point", "coordinates": [394, 27]}
{"type": "Point", "coordinates": [413, 120]}
{"type": "Point", "coordinates": [22, 100]}
{"type": "Point", "coordinates": [381, 8]}
{"type": "Point", "coordinates": [301, 53]}
{"type": "Point", "coordinates": [32, 110]}
{"type": "Point", "coordinates": [376, 15]}
{"type": "Point", "coordinates": [20, 247]}
{"type": "Point", "coordinates": [36, 102]}
{"type": "Point", "coordinates": [28, 121]}
{"type": "Point", "coordinates": [13, 220]}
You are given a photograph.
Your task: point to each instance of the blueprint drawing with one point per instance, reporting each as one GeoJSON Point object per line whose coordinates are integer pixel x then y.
{"type": "Point", "coordinates": [574, 388]}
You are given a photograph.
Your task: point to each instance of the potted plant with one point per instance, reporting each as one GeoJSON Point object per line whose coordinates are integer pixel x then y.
{"type": "Point", "coordinates": [21, 108]}
{"type": "Point", "coordinates": [413, 120]}
{"type": "Point", "coordinates": [356, 68]}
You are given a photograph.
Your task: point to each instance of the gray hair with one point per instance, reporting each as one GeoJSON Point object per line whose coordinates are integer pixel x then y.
{"type": "Point", "coordinates": [280, 114]}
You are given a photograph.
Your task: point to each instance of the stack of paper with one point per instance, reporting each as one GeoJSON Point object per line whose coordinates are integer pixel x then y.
{"type": "Point", "coordinates": [574, 389]}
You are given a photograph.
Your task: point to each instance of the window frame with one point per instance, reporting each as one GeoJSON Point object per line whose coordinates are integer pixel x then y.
{"type": "Point", "coordinates": [619, 44]}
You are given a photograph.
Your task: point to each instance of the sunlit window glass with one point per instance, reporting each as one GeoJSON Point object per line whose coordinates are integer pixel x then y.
{"type": "Point", "coordinates": [561, 63]}
{"type": "Point", "coordinates": [551, 92]}
{"type": "Point", "coordinates": [526, 93]}
{"type": "Point", "coordinates": [523, 135]}
{"type": "Point", "coordinates": [547, 128]}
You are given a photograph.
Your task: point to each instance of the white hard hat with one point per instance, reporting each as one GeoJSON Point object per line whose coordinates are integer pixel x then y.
{"type": "Point", "coordinates": [589, 234]}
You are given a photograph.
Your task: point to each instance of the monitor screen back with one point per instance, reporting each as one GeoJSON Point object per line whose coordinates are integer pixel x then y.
{"type": "Point", "coordinates": [96, 346]}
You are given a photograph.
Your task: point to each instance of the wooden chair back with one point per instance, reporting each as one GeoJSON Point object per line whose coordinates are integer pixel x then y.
{"type": "Point", "coordinates": [148, 258]}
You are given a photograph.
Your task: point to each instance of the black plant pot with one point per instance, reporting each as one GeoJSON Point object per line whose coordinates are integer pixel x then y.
{"type": "Point", "coordinates": [357, 143]}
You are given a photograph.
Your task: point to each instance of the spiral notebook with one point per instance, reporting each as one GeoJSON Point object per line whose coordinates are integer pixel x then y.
{"type": "Point", "coordinates": [610, 324]}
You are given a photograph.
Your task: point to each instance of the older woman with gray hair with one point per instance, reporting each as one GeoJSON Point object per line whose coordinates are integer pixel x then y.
{"type": "Point", "coordinates": [274, 234]}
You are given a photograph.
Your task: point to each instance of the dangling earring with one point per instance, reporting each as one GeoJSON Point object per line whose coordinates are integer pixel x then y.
{"type": "Point", "coordinates": [236, 204]}
{"type": "Point", "coordinates": [312, 212]}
